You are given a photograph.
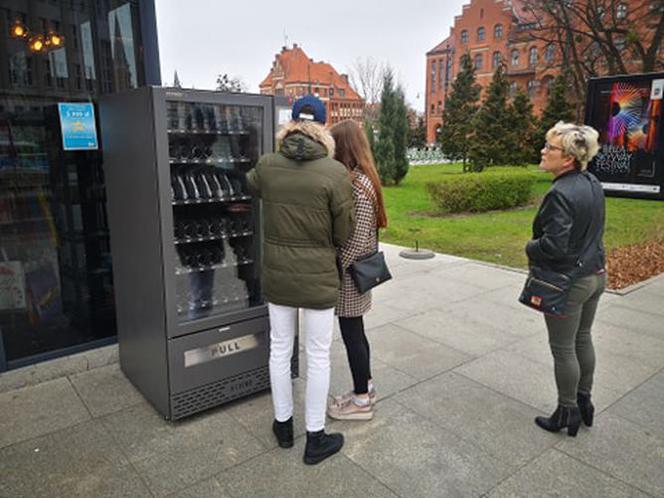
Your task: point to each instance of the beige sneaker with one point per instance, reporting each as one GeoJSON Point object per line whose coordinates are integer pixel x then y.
{"type": "Point", "coordinates": [342, 398]}
{"type": "Point", "coordinates": [348, 410]}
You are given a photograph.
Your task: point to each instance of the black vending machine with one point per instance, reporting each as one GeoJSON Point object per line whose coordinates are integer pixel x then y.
{"type": "Point", "coordinates": [185, 241]}
{"type": "Point", "coordinates": [627, 112]}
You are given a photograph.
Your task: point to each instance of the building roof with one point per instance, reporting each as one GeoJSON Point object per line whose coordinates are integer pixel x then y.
{"type": "Point", "coordinates": [297, 67]}
{"type": "Point", "coordinates": [522, 14]}
{"type": "Point", "coordinates": [442, 46]}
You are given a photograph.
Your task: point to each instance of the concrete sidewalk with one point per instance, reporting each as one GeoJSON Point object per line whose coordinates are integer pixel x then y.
{"type": "Point", "coordinates": [461, 370]}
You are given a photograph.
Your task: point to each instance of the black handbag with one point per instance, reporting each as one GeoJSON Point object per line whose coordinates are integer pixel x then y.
{"type": "Point", "coordinates": [546, 291]}
{"type": "Point", "coordinates": [369, 271]}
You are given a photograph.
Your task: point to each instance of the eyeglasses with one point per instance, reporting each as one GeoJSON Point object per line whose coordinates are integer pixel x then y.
{"type": "Point", "coordinates": [548, 146]}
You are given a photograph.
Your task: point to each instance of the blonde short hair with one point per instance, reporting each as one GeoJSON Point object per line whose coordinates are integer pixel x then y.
{"type": "Point", "coordinates": [578, 141]}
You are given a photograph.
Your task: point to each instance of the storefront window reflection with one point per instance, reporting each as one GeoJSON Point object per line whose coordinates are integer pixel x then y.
{"type": "Point", "coordinates": [56, 288]}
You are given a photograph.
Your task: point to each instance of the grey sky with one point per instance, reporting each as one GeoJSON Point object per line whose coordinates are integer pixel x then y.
{"type": "Point", "coordinates": [202, 38]}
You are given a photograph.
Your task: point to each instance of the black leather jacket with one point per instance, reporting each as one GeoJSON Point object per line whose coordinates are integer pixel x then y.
{"type": "Point", "coordinates": [568, 228]}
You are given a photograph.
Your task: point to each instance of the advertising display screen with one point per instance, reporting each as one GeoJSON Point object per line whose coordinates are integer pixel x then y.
{"type": "Point", "coordinates": [627, 112]}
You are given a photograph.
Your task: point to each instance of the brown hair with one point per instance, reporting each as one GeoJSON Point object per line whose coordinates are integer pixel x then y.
{"type": "Point", "coordinates": [354, 152]}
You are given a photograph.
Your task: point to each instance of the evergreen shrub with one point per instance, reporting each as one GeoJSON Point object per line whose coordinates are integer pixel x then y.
{"type": "Point", "coordinates": [487, 191]}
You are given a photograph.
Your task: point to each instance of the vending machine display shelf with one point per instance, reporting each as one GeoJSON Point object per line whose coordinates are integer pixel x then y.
{"type": "Point", "coordinates": [211, 201]}
{"type": "Point", "coordinates": [184, 271]}
{"type": "Point", "coordinates": [225, 236]}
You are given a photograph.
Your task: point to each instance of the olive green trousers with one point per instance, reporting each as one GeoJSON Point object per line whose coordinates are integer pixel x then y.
{"type": "Point", "coordinates": [571, 342]}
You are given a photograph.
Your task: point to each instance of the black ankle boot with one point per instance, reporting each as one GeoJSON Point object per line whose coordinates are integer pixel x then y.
{"type": "Point", "coordinates": [284, 432]}
{"type": "Point", "coordinates": [320, 446]}
{"type": "Point", "coordinates": [586, 408]}
{"type": "Point", "coordinates": [564, 416]}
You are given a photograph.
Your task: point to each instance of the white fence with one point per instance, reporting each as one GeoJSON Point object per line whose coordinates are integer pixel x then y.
{"type": "Point", "coordinates": [426, 155]}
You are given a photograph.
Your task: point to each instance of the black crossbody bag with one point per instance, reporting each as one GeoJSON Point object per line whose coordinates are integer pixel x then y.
{"type": "Point", "coordinates": [370, 271]}
{"type": "Point", "coordinates": [548, 290]}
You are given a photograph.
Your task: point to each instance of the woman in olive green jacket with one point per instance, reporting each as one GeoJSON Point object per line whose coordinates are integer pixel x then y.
{"type": "Point", "coordinates": [307, 212]}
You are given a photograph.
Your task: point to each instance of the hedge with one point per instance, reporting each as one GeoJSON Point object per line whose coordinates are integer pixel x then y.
{"type": "Point", "coordinates": [478, 192]}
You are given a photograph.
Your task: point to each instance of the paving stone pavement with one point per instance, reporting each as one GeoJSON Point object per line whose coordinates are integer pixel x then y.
{"type": "Point", "coordinates": [461, 370]}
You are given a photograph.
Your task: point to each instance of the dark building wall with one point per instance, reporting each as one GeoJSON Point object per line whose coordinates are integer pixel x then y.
{"type": "Point", "coordinates": [56, 289]}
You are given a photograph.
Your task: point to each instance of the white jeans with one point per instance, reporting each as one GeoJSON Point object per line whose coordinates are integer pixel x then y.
{"type": "Point", "coordinates": [317, 327]}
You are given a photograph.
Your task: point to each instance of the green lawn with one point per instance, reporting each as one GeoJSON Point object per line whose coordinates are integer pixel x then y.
{"type": "Point", "coordinates": [500, 236]}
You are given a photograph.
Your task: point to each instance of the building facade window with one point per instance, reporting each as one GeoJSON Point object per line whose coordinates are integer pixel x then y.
{"type": "Point", "coordinates": [498, 31]}
{"type": "Point", "coordinates": [532, 56]}
{"type": "Point", "coordinates": [549, 53]}
{"type": "Point", "coordinates": [496, 59]}
{"type": "Point", "coordinates": [547, 82]}
{"type": "Point", "coordinates": [441, 73]}
{"type": "Point", "coordinates": [533, 87]}
{"type": "Point", "coordinates": [63, 251]}
{"type": "Point", "coordinates": [515, 57]}
{"type": "Point", "coordinates": [433, 76]}
{"type": "Point", "coordinates": [464, 37]}
{"type": "Point", "coordinates": [479, 59]}
{"type": "Point", "coordinates": [514, 87]}
{"type": "Point", "coordinates": [621, 11]}
{"type": "Point", "coordinates": [481, 34]}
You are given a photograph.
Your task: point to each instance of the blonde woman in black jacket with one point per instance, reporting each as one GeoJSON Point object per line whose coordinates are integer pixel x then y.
{"type": "Point", "coordinates": [567, 238]}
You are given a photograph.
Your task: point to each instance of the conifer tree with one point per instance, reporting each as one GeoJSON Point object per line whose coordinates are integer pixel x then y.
{"type": "Point", "coordinates": [490, 142]}
{"type": "Point", "coordinates": [400, 127]}
{"type": "Point", "coordinates": [460, 107]}
{"type": "Point", "coordinates": [523, 131]}
{"type": "Point", "coordinates": [558, 106]}
{"type": "Point", "coordinates": [385, 153]}
{"type": "Point", "coordinates": [371, 135]}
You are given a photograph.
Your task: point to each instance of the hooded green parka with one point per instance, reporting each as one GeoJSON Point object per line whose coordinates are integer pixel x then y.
{"type": "Point", "coordinates": [307, 212]}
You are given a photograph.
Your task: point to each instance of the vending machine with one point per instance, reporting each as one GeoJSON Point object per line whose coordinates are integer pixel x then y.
{"type": "Point", "coordinates": [193, 327]}
{"type": "Point", "coordinates": [627, 112]}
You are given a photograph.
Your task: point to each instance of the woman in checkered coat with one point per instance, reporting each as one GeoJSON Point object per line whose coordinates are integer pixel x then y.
{"type": "Point", "coordinates": [353, 150]}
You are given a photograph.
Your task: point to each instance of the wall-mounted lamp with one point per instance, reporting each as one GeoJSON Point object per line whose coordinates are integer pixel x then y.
{"type": "Point", "coordinates": [54, 40]}
{"type": "Point", "coordinates": [37, 43]}
{"type": "Point", "coordinates": [18, 30]}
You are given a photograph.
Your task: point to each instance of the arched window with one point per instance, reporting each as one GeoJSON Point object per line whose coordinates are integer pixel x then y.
{"type": "Point", "coordinates": [481, 33]}
{"type": "Point", "coordinates": [549, 53]}
{"type": "Point", "coordinates": [496, 59]}
{"type": "Point", "coordinates": [515, 57]}
{"type": "Point", "coordinates": [479, 60]}
{"type": "Point", "coordinates": [464, 37]}
{"type": "Point", "coordinates": [498, 31]}
{"type": "Point", "coordinates": [532, 56]}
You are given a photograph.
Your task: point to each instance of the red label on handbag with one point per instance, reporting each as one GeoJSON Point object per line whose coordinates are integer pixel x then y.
{"type": "Point", "coordinates": [535, 300]}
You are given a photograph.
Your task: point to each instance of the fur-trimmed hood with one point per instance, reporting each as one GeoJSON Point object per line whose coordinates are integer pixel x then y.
{"type": "Point", "coordinates": [305, 140]}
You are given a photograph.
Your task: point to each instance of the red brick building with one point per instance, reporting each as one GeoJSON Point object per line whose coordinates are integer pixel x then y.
{"type": "Point", "coordinates": [491, 31]}
{"type": "Point", "coordinates": [294, 74]}
{"type": "Point", "coordinates": [495, 30]}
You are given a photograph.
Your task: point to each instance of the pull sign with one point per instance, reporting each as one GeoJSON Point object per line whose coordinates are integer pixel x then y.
{"type": "Point", "coordinates": [221, 350]}
{"type": "Point", "coordinates": [77, 123]}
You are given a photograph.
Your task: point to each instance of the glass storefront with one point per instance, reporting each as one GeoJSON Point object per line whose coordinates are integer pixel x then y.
{"type": "Point", "coordinates": [56, 288]}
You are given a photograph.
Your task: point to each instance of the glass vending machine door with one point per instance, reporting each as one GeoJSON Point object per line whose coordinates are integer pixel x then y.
{"type": "Point", "coordinates": [211, 148]}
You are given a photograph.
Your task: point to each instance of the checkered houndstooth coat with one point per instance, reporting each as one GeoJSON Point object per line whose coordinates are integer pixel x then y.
{"type": "Point", "coordinates": [362, 243]}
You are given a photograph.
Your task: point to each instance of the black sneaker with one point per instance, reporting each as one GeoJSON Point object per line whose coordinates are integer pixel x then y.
{"type": "Point", "coordinates": [320, 446]}
{"type": "Point", "coordinates": [284, 432]}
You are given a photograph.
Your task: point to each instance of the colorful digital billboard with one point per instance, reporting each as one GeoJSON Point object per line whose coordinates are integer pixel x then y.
{"type": "Point", "coordinates": [627, 111]}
